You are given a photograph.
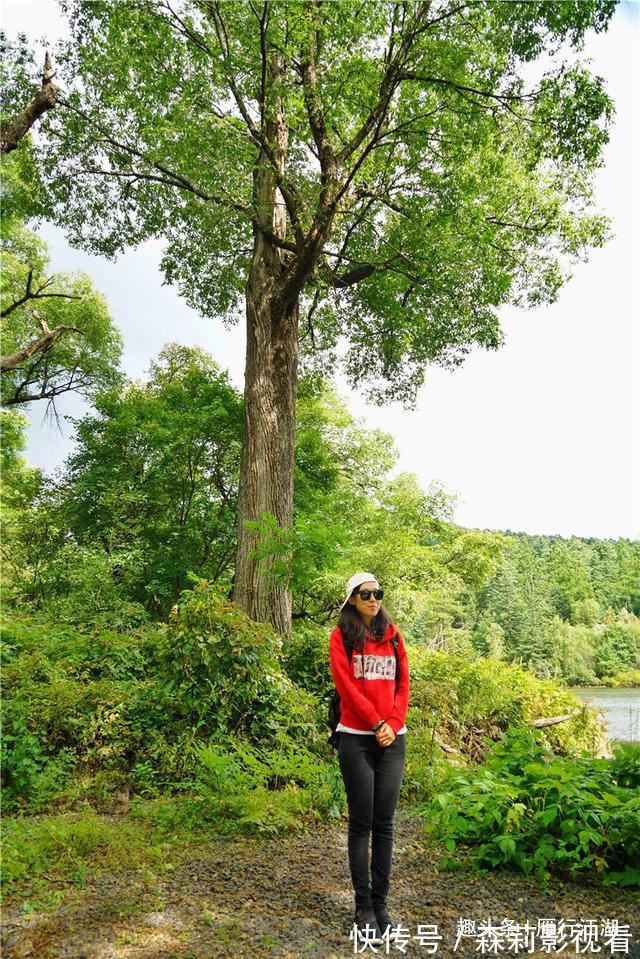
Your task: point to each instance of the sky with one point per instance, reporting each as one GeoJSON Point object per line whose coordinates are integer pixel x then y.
{"type": "Point", "coordinates": [541, 436]}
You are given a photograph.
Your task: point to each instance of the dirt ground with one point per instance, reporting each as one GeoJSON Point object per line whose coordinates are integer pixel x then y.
{"type": "Point", "coordinates": [291, 897]}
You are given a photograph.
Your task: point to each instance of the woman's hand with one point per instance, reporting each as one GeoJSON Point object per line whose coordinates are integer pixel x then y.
{"type": "Point", "coordinates": [385, 735]}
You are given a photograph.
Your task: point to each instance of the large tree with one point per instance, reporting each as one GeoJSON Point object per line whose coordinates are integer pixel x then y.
{"type": "Point", "coordinates": [372, 178]}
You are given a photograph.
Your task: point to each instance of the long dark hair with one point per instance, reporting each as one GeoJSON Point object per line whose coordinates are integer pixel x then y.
{"type": "Point", "coordinates": [352, 625]}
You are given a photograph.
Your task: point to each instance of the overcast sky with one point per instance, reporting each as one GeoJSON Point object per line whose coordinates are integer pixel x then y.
{"type": "Point", "coordinates": [542, 436]}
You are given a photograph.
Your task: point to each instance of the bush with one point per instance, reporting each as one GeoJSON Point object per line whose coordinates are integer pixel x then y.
{"type": "Point", "coordinates": [542, 813]}
{"type": "Point", "coordinates": [425, 766]}
{"type": "Point", "coordinates": [305, 657]}
{"type": "Point", "coordinates": [79, 702]}
{"type": "Point", "coordinates": [268, 789]}
{"type": "Point", "coordinates": [224, 669]}
{"type": "Point", "coordinates": [79, 584]}
{"type": "Point", "coordinates": [628, 677]}
{"type": "Point", "coordinates": [626, 764]}
{"type": "Point", "coordinates": [87, 708]}
{"type": "Point", "coordinates": [468, 701]}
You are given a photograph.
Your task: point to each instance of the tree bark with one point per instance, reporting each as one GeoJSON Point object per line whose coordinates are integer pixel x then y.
{"type": "Point", "coordinates": [271, 373]}
{"type": "Point", "coordinates": [266, 468]}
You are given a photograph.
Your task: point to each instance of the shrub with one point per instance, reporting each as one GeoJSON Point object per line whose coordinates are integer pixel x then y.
{"type": "Point", "coordinates": [425, 766]}
{"type": "Point", "coordinates": [628, 677]}
{"type": "Point", "coordinates": [542, 813]}
{"type": "Point", "coordinates": [223, 669]}
{"type": "Point", "coordinates": [305, 657]}
{"type": "Point", "coordinates": [469, 700]}
{"type": "Point", "coordinates": [83, 708]}
{"type": "Point", "coordinates": [260, 787]}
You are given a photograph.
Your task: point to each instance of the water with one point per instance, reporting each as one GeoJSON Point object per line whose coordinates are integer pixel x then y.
{"type": "Point", "coordinates": [620, 709]}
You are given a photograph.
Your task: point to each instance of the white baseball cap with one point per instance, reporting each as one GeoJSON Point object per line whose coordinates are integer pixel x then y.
{"type": "Point", "coordinates": [357, 580]}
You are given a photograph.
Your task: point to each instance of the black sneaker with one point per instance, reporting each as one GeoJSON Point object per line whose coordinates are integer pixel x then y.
{"type": "Point", "coordinates": [383, 917]}
{"type": "Point", "coordinates": [367, 925]}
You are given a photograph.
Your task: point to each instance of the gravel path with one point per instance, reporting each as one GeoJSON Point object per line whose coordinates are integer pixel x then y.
{"type": "Point", "coordinates": [291, 897]}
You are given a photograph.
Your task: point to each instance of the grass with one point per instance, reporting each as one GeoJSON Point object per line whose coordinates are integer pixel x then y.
{"type": "Point", "coordinates": [41, 853]}
{"type": "Point", "coordinates": [44, 855]}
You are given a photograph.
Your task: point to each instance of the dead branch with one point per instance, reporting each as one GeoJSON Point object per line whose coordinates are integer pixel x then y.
{"type": "Point", "coordinates": [552, 720]}
{"type": "Point", "coordinates": [45, 99]}
{"type": "Point", "coordinates": [37, 346]}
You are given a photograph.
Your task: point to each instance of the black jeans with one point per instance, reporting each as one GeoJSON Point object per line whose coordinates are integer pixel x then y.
{"type": "Point", "coordinates": [372, 777]}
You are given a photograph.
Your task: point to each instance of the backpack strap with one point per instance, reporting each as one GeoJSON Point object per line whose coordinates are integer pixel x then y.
{"type": "Point", "coordinates": [394, 640]}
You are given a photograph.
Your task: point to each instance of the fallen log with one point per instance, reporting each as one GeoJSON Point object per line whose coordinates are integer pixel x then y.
{"type": "Point", "coordinates": [552, 720]}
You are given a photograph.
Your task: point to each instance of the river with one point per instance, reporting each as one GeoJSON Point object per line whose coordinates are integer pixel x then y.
{"type": "Point", "coordinates": [620, 709]}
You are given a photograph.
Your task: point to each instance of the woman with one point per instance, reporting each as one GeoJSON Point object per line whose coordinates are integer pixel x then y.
{"type": "Point", "coordinates": [374, 695]}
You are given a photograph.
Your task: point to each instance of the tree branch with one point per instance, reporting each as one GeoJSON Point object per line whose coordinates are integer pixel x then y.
{"type": "Point", "coordinates": [43, 343]}
{"type": "Point", "coordinates": [392, 75]}
{"type": "Point", "coordinates": [289, 192]}
{"type": "Point", "coordinates": [38, 295]}
{"type": "Point", "coordinates": [552, 720]}
{"type": "Point", "coordinates": [170, 177]}
{"type": "Point", "coordinates": [501, 97]}
{"type": "Point", "coordinates": [45, 99]}
{"type": "Point", "coordinates": [309, 73]}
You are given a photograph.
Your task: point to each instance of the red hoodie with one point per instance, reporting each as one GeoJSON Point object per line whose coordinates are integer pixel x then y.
{"type": "Point", "coordinates": [364, 699]}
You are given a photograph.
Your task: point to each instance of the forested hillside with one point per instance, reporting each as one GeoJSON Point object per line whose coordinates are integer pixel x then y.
{"type": "Point", "coordinates": [564, 607]}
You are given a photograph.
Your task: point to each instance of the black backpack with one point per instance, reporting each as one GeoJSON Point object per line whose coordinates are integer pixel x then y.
{"type": "Point", "coordinates": [333, 717]}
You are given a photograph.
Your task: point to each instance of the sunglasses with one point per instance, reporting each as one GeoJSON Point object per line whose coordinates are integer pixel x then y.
{"type": "Point", "coordinates": [364, 594]}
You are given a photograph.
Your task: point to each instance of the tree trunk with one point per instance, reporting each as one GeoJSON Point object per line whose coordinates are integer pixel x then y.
{"type": "Point", "coordinates": [266, 468]}
{"type": "Point", "coordinates": [271, 373]}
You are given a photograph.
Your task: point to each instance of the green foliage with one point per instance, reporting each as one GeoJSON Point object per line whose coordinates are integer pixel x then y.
{"type": "Point", "coordinates": [21, 186]}
{"type": "Point", "coordinates": [81, 710]}
{"type": "Point", "coordinates": [626, 764]}
{"type": "Point", "coordinates": [565, 608]}
{"type": "Point", "coordinates": [223, 669]}
{"type": "Point", "coordinates": [18, 489]}
{"type": "Point", "coordinates": [148, 498]}
{"type": "Point", "coordinates": [148, 494]}
{"type": "Point", "coordinates": [436, 155]}
{"type": "Point", "coordinates": [30, 850]}
{"type": "Point", "coordinates": [84, 585]}
{"type": "Point", "coordinates": [618, 647]}
{"type": "Point", "coordinates": [86, 708]}
{"type": "Point", "coordinates": [425, 764]}
{"type": "Point", "coordinates": [628, 677]}
{"type": "Point", "coordinates": [305, 657]}
{"type": "Point", "coordinates": [154, 476]}
{"type": "Point", "coordinates": [268, 789]}
{"type": "Point", "coordinates": [350, 513]}
{"type": "Point", "coordinates": [467, 701]}
{"type": "Point", "coordinates": [526, 807]}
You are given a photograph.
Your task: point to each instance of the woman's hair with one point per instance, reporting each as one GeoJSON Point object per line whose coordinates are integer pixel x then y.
{"type": "Point", "coordinates": [353, 628]}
